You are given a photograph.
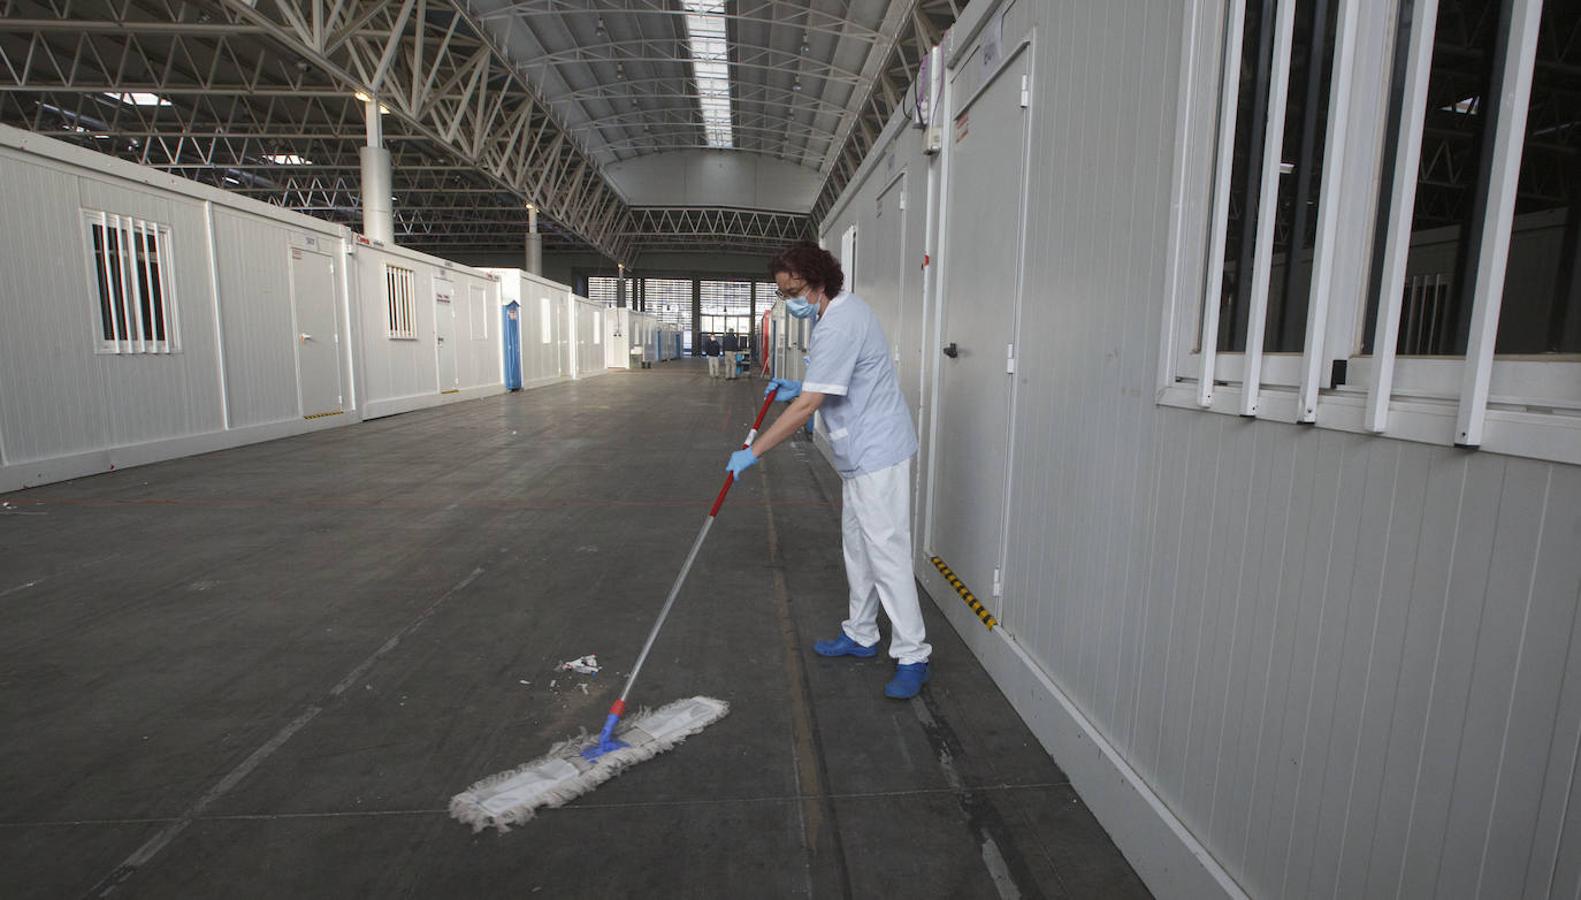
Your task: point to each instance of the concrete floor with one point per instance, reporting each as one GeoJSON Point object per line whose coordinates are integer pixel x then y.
{"type": "Point", "coordinates": [263, 672]}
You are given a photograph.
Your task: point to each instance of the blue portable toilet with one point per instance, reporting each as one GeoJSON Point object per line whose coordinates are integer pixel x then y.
{"type": "Point", "coordinates": [513, 346]}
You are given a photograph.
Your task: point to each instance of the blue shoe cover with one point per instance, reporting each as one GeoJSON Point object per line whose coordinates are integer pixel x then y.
{"type": "Point", "coordinates": [908, 680]}
{"type": "Point", "coordinates": [843, 646]}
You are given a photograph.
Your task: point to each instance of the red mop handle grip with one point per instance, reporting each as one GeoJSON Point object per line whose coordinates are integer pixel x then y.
{"type": "Point", "coordinates": [730, 477]}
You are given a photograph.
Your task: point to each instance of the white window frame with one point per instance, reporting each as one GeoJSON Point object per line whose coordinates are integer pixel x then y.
{"type": "Point", "coordinates": [1207, 364]}
{"type": "Point", "coordinates": [400, 303]}
{"type": "Point", "coordinates": [1523, 406]}
{"type": "Point", "coordinates": [126, 309]}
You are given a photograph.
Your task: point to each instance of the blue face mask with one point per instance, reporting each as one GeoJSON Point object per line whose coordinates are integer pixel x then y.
{"type": "Point", "coordinates": [800, 308]}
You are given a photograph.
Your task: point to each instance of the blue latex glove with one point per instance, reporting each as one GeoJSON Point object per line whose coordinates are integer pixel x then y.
{"type": "Point", "coordinates": [788, 389]}
{"type": "Point", "coordinates": [740, 461]}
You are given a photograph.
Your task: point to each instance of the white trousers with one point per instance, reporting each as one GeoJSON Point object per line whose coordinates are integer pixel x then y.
{"type": "Point", "coordinates": [876, 527]}
{"type": "Point", "coordinates": [713, 367]}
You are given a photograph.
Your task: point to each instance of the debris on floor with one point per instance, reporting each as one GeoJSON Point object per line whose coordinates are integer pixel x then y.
{"type": "Point", "coordinates": [582, 685]}
{"type": "Point", "coordinates": [586, 665]}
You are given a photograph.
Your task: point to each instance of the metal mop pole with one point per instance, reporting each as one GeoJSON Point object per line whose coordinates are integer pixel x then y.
{"type": "Point", "coordinates": [618, 708]}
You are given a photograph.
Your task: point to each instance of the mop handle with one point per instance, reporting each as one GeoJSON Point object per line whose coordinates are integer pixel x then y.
{"type": "Point", "coordinates": [619, 707]}
{"type": "Point", "coordinates": [730, 477]}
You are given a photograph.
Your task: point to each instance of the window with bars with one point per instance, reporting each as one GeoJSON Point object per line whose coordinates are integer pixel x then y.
{"type": "Point", "coordinates": [1438, 298]}
{"type": "Point", "coordinates": [400, 300]}
{"type": "Point", "coordinates": [131, 269]}
{"type": "Point", "coordinates": [1273, 120]}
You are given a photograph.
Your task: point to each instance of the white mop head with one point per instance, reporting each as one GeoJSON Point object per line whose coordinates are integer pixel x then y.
{"type": "Point", "coordinates": [562, 775]}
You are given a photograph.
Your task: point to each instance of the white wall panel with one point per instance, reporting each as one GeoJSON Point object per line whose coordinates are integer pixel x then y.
{"type": "Point", "coordinates": [395, 368]}
{"type": "Point", "coordinates": [1347, 665]}
{"type": "Point", "coordinates": [403, 373]}
{"type": "Point", "coordinates": [478, 348]}
{"type": "Point", "coordinates": [157, 396]}
{"type": "Point", "coordinates": [254, 282]}
{"type": "Point", "coordinates": [46, 314]}
{"type": "Point", "coordinates": [588, 318]}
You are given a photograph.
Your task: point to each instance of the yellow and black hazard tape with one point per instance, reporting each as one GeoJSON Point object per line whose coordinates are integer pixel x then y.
{"type": "Point", "coordinates": [323, 414]}
{"type": "Point", "coordinates": [986, 617]}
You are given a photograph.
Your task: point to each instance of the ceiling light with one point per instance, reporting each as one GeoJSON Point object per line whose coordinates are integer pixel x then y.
{"type": "Point", "coordinates": [362, 96]}
{"type": "Point", "coordinates": [805, 48]}
{"type": "Point", "coordinates": [600, 29]}
{"type": "Point", "coordinates": [288, 159]}
{"type": "Point", "coordinates": [797, 85]}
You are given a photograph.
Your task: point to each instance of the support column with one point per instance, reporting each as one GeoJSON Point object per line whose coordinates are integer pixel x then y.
{"type": "Point", "coordinates": [378, 209]}
{"type": "Point", "coordinates": [697, 317]}
{"type": "Point", "coordinates": [534, 249]}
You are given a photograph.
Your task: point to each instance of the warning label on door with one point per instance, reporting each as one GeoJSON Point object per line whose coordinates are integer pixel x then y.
{"type": "Point", "coordinates": [962, 127]}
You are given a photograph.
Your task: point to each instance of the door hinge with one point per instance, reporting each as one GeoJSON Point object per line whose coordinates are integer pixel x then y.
{"type": "Point", "coordinates": [999, 585]}
{"type": "Point", "coordinates": [1026, 92]}
{"type": "Point", "coordinates": [902, 201]}
{"type": "Point", "coordinates": [1010, 359]}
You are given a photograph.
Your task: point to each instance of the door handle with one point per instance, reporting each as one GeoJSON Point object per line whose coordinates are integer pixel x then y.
{"type": "Point", "coordinates": [306, 337]}
{"type": "Point", "coordinates": [951, 351]}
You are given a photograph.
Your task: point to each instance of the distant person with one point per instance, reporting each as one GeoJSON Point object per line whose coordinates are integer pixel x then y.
{"type": "Point", "coordinates": [712, 350]}
{"type": "Point", "coordinates": [732, 354]}
{"type": "Point", "coordinates": [851, 382]}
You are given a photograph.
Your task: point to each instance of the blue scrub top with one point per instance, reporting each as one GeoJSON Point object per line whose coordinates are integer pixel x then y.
{"type": "Point", "coordinates": [864, 415]}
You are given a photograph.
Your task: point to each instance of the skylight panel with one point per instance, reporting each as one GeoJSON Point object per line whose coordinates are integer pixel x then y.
{"type": "Point", "coordinates": [138, 98]}
{"type": "Point", "coordinates": [710, 51]}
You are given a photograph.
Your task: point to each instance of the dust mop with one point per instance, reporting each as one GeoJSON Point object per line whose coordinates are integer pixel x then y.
{"type": "Point", "coordinates": [574, 767]}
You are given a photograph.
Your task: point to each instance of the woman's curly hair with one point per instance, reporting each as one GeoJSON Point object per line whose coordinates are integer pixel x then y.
{"type": "Point", "coordinates": [812, 264]}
